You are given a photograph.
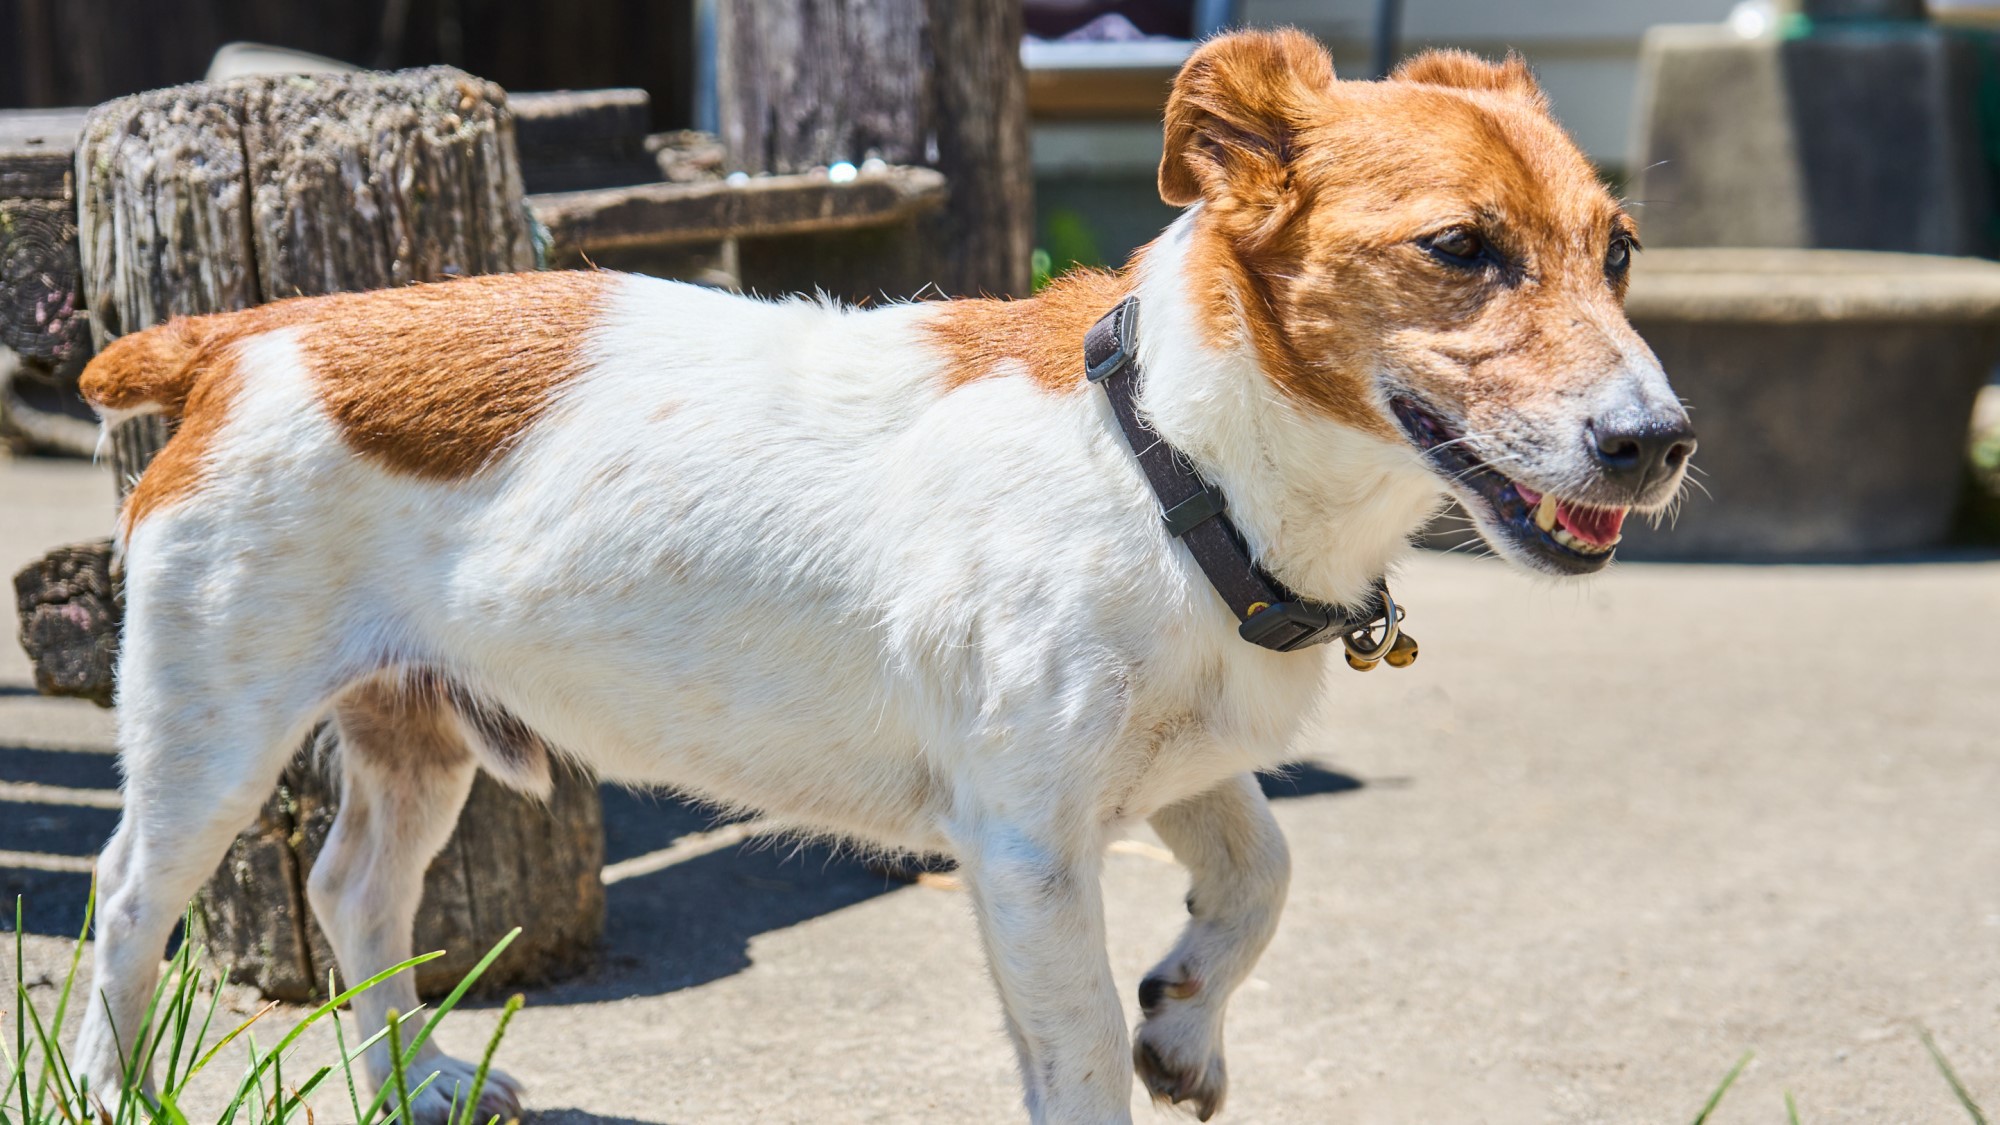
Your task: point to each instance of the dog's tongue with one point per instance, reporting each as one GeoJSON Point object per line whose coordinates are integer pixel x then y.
{"type": "Point", "coordinates": [1595, 526]}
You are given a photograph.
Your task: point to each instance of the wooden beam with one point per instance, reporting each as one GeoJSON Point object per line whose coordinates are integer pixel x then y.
{"type": "Point", "coordinates": [655, 215]}
{"type": "Point", "coordinates": [38, 152]}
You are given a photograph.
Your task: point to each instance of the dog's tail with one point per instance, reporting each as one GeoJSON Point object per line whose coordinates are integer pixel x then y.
{"type": "Point", "coordinates": [150, 372]}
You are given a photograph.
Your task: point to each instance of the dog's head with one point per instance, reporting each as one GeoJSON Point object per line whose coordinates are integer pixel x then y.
{"type": "Point", "coordinates": [1430, 259]}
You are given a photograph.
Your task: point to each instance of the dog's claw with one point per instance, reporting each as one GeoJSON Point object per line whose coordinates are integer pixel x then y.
{"type": "Point", "coordinates": [1201, 1086]}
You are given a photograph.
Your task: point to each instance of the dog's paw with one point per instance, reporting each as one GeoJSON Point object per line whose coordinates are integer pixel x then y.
{"type": "Point", "coordinates": [1177, 1051]}
{"type": "Point", "coordinates": [500, 1097]}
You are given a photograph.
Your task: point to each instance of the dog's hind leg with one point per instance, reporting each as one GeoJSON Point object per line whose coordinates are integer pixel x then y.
{"type": "Point", "coordinates": [406, 768]}
{"type": "Point", "coordinates": [1231, 845]}
{"type": "Point", "coordinates": [198, 764]}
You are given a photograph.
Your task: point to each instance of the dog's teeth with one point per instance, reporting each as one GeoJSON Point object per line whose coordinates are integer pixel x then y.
{"type": "Point", "coordinates": [1545, 514]}
{"type": "Point", "coordinates": [1563, 537]}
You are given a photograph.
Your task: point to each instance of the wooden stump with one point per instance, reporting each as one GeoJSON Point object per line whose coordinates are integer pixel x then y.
{"type": "Point", "coordinates": [69, 611]}
{"type": "Point", "coordinates": [208, 197]}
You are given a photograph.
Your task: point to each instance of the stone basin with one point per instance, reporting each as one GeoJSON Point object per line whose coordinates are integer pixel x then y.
{"type": "Point", "coordinates": [1832, 390]}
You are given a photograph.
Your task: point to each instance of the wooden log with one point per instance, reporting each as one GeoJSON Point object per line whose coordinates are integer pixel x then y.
{"type": "Point", "coordinates": [213, 197]}
{"type": "Point", "coordinates": [808, 83]}
{"type": "Point", "coordinates": [69, 615]}
{"type": "Point", "coordinates": [673, 214]}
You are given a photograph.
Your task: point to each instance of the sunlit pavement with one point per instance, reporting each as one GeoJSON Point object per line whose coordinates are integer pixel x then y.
{"type": "Point", "coordinates": [1606, 838]}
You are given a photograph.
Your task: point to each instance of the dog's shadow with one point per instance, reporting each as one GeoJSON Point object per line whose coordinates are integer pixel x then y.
{"type": "Point", "coordinates": [692, 921]}
{"type": "Point", "coordinates": [581, 1117]}
{"type": "Point", "coordinates": [689, 922]}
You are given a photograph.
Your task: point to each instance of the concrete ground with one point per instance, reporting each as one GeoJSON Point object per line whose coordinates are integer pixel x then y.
{"type": "Point", "coordinates": [1601, 841]}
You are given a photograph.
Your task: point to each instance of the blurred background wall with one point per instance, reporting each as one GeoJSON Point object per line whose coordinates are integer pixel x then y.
{"type": "Point", "coordinates": [81, 52]}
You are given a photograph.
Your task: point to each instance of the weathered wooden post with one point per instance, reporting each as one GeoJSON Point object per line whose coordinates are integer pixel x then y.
{"type": "Point", "coordinates": [810, 83]}
{"type": "Point", "coordinates": [41, 304]}
{"type": "Point", "coordinates": [212, 197]}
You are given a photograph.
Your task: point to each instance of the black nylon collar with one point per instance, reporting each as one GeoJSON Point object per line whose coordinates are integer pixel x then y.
{"type": "Point", "coordinates": [1195, 511]}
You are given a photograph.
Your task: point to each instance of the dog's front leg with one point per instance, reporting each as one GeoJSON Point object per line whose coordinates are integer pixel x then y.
{"type": "Point", "coordinates": [1041, 916]}
{"type": "Point", "coordinates": [1240, 867]}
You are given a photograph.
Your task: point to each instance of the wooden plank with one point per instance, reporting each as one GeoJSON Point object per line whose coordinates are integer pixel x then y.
{"type": "Point", "coordinates": [38, 152]}
{"type": "Point", "coordinates": [762, 206]}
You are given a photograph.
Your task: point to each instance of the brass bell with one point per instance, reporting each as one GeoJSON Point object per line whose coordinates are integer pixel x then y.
{"type": "Point", "coordinates": [1402, 654]}
{"type": "Point", "coordinates": [1359, 664]}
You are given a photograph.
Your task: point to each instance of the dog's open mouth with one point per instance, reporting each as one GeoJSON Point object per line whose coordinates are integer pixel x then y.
{"type": "Point", "coordinates": [1564, 536]}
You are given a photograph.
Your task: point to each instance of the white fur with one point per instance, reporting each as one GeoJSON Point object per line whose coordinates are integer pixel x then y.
{"type": "Point", "coordinates": [759, 553]}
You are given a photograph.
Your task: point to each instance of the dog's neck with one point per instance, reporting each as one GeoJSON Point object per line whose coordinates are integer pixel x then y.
{"type": "Point", "coordinates": [1326, 508]}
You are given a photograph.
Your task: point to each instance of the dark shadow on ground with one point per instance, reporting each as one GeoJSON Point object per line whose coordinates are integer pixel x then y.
{"type": "Point", "coordinates": [693, 922]}
{"type": "Point", "coordinates": [60, 839]}
{"type": "Point", "coordinates": [685, 925]}
{"type": "Point", "coordinates": [1305, 779]}
{"type": "Point", "coordinates": [581, 1117]}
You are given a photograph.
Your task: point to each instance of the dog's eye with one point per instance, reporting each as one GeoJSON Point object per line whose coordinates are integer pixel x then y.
{"type": "Point", "coordinates": [1619, 256]}
{"type": "Point", "coordinates": [1458, 246]}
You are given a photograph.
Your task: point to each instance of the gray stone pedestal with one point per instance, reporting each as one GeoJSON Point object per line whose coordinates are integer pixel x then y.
{"type": "Point", "coordinates": [1831, 389]}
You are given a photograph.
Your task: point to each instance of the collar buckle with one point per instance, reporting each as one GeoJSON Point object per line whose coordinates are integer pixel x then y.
{"type": "Point", "coordinates": [1290, 626]}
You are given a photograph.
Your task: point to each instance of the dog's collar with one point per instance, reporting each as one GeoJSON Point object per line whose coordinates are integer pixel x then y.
{"type": "Point", "coordinates": [1195, 512]}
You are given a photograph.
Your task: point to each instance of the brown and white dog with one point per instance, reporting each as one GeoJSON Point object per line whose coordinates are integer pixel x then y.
{"type": "Point", "coordinates": [892, 575]}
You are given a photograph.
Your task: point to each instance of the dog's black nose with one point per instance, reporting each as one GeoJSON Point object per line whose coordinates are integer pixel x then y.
{"type": "Point", "coordinates": [1637, 449]}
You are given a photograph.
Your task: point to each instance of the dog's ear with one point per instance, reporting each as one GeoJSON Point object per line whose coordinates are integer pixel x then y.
{"type": "Point", "coordinates": [1466, 71]}
{"type": "Point", "coordinates": [1235, 106]}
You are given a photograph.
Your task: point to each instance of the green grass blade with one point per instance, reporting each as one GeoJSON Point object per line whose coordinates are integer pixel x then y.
{"type": "Point", "coordinates": [226, 1040]}
{"type": "Point", "coordinates": [346, 1060]}
{"type": "Point", "coordinates": [300, 1095]}
{"type": "Point", "coordinates": [1791, 1109]}
{"type": "Point", "coordinates": [397, 1114]}
{"type": "Point", "coordinates": [514, 1004]}
{"type": "Point", "coordinates": [1958, 1089]}
{"type": "Point", "coordinates": [75, 957]}
{"type": "Point", "coordinates": [401, 1059]}
{"type": "Point", "coordinates": [169, 1113]}
{"type": "Point", "coordinates": [396, 1075]}
{"type": "Point", "coordinates": [201, 1036]}
{"type": "Point", "coordinates": [256, 1073]}
{"type": "Point", "coordinates": [1728, 1080]}
{"type": "Point", "coordinates": [21, 1009]}
{"type": "Point", "coordinates": [52, 1059]}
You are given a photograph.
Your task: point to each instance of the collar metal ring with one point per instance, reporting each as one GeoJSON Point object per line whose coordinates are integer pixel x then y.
{"type": "Point", "coordinates": [1391, 629]}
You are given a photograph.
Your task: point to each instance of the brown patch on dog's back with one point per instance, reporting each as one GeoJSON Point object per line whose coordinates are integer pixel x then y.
{"type": "Point", "coordinates": [432, 380]}
{"type": "Point", "coordinates": [438, 381]}
{"type": "Point", "coordinates": [1040, 338]}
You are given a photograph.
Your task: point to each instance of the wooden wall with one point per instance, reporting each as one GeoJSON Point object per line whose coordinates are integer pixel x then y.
{"type": "Point", "coordinates": [81, 52]}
